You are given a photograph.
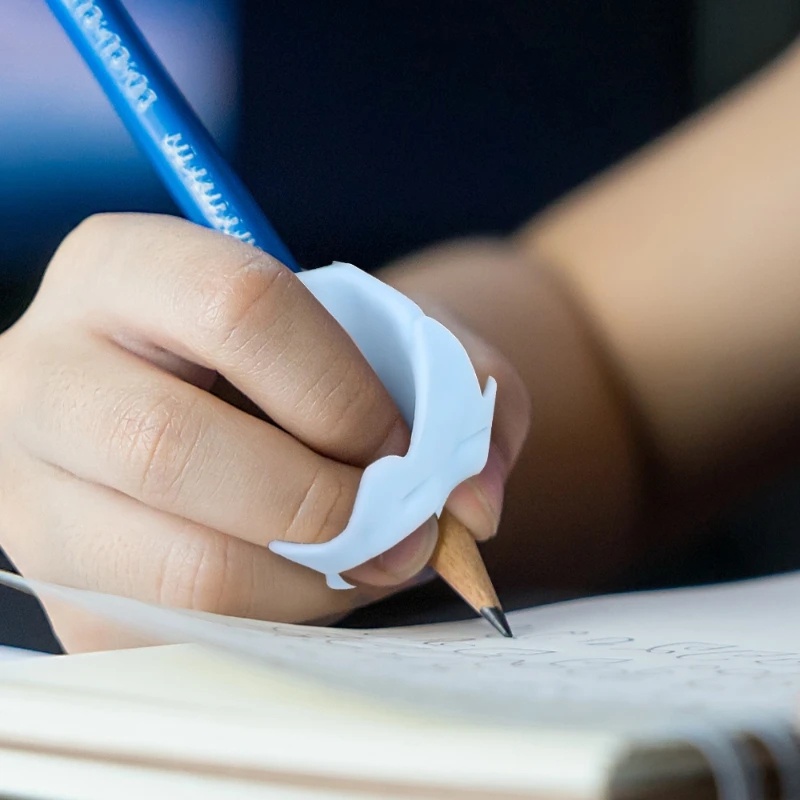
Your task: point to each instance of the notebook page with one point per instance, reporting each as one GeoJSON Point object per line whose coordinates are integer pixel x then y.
{"type": "Point", "coordinates": [723, 652]}
{"type": "Point", "coordinates": [187, 705]}
{"type": "Point", "coordinates": [45, 776]}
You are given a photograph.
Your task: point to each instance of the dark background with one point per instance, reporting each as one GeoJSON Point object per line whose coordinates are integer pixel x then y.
{"type": "Point", "coordinates": [371, 128]}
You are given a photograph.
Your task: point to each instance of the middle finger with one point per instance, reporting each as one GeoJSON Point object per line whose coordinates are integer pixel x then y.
{"type": "Point", "coordinates": [111, 418]}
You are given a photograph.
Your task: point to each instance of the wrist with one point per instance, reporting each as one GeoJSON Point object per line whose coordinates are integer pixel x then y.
{"type": "Point", "coordinates": [578, 478]}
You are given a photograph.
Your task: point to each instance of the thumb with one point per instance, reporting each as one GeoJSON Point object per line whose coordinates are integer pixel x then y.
{"type": "Point", "coordinates": [478, 502]}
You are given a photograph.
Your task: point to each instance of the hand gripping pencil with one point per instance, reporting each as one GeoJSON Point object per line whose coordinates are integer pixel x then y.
{"type": "Point", "coordinates": [208, 192]}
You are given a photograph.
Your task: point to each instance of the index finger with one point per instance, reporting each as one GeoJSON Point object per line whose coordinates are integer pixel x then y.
{"type": "Point", "coordinates": [227, 306]}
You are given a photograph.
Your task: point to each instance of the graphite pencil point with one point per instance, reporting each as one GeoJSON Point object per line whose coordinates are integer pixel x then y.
{"type": "Point", "coordinates": [495, 615]}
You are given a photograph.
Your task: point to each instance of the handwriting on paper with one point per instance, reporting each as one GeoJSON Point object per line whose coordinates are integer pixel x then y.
{"type": "Point", "coordinates": [729, 649]}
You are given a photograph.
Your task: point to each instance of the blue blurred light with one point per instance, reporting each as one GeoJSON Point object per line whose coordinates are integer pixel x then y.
{"type": "Point", "coordinates": [63, 152]}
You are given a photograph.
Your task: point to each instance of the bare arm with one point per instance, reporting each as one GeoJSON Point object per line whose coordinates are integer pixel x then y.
{"type": "Point", "coordinates": [655, 318]}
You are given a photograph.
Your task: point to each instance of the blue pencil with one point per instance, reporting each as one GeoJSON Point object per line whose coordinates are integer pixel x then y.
{"type": "Point", "coordinates": [163, 124]}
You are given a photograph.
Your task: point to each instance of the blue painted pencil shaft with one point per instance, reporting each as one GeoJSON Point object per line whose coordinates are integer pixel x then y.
{"type": "Point", "coordinates": [161, 121]}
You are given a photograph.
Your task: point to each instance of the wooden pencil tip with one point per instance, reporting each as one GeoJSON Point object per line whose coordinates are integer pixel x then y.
{"type": "Point", "coordinates": [495, 615]}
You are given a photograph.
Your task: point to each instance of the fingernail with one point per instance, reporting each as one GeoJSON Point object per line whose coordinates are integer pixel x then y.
{"type": "Point", "coordinates": [402, 562]}
{"type": "Point", "coordinates": [411, 555]}
{"type": "Point", "coordinates": [422, 578]}
{"type": "Point", "coordinates": [478, 502]}
{"type": "Point", "coordinates": [396, 442]}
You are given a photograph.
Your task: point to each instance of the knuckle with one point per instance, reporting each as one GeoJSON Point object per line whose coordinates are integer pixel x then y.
{"type": "Point", "coordinates": [195, 572]}
{"type": "Point", "coordinates": [88, 228]}
{"type": "Point", "coordinates": [95, 224]}
{"type": "Point", "coordinates": [159, 438]}
{"type": "Point", "coordinates": [99, 238]}
{"type": "Point", "coordinates": [341, 398]}
{"type": "Point", "coordinates": [229, 303]}
{"type": "Point", "coordinates": [324, 507]}
{"type": "Point", "coordinates": [93, 229]}
{"type": "Point", "coordinates": [354, 413]}
{"type": "Point", "coordinates": [85, 252]}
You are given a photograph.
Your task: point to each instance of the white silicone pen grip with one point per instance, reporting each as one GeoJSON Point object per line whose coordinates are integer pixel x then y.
{"type": "Point", "coordinates": [430, 377]}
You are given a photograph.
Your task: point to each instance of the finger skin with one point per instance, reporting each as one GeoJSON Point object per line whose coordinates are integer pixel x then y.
{"type": "Point", "coordinates": [109, 418]}
{"type": "Point", "coordinates": [85, 535]}
{"type": "Point", "coordinates": [226, 306]}
{"type": "Point", "coordinates": [112, 419]}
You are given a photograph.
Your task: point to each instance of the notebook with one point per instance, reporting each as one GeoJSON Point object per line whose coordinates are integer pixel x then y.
{"type": "Point", "coordinates": [652, 696]}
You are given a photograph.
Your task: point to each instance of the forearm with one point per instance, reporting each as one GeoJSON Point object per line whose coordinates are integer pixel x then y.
{"type": "Point", "coordinates": [574, 499]}
{"type": "Point", "coordinates": [653, 316]}
{"type": "Point", "coordinates": [687, 259]}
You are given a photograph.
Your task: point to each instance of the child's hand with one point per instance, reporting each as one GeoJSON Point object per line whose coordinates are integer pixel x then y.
{"type": "Point", "coordinates": [123, 470]}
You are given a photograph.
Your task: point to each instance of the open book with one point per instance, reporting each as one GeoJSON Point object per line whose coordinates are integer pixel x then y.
{"type": "Point", "coordinates": [653, 696]}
